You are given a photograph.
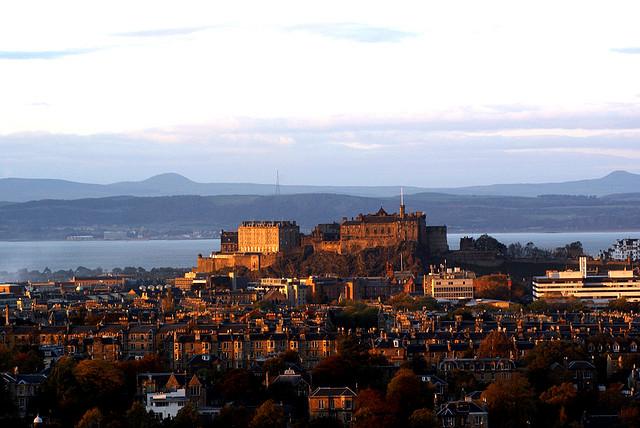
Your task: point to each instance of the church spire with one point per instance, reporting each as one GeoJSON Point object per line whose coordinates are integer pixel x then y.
{"type": "Point", "coordinates": [402, 212]}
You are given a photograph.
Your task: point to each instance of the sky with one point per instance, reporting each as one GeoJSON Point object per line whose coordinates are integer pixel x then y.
{"type": "Point", "coordinates": [425, 93]}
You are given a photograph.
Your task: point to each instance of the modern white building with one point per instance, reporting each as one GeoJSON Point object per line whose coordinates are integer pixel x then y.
{"type": "Point", "coordinates": [587, 286]}
{"type": "Point", "coordinates": [449, 284]}
{"type": "Point", "coordinates": [625, 249]}
{"type": "Point", "coordinates": [166, 404]}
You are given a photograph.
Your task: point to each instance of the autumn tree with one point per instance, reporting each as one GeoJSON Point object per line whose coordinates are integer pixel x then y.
{"type": "Point", "coordinates": [406, 393]}
{"type": "Point", "coordinates": [495, 344]}
{"type": "Point", "coordinates": [372, 410]}
{"type": "Point", "coordinates": [240, 385]}
{"type": "Point", "coordinates": [92, 418]}
{"type": "Point", "coordinates": [268, 415]}
{"type": "Point", "coordinates": [100, 383]}
{"type": "Point", "coordinates": [423, 418]}
{"type": "Point", "coordinates": [511, 402]}
{"type": "Point", "coordinates": [561, 397]}
{"type": "Point", "coordinates": [544, 355]}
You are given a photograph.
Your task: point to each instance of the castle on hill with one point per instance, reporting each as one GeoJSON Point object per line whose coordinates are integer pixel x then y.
{"type": "Point", "coordinates": [258, 244]}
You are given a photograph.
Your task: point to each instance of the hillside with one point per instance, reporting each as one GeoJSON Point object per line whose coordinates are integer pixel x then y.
{"type": "Point", "coordinates": [27, 189]}
{"type": "Point", "coordinates": [53, 219]}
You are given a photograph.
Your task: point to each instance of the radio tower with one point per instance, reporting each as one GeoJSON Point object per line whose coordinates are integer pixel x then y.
{"type": "Point", "coordinates": [277, 183]}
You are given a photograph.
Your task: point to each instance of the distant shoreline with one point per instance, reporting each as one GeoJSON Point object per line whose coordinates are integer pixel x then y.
{"type": "Point", "coordinates": [449, 232]}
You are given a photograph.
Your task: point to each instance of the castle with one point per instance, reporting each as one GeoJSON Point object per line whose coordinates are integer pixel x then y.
{"type": "Point", "coordinates": [379, 230]}
{"type": "Point", "coordinates": [258, 244]}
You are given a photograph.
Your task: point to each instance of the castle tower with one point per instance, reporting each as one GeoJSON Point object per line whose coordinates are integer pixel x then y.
{"type": "Point", "coordinates": [402, 211]}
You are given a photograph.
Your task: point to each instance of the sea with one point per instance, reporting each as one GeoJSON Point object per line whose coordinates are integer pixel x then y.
{"type": "Point", "coordinates": [56, 255]}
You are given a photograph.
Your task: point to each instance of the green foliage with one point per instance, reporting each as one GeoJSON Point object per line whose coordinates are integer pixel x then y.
{"type": "Point", "coordinates": [356, 315]}
{"type": "Point", "coordinates": [403, 301]}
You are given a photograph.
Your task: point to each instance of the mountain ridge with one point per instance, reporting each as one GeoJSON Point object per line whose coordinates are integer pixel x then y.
{"type": "Point", "coordinates": [172, 184]}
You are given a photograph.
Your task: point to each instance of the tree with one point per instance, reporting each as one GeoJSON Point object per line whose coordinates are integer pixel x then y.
{"type": "Point", "coordinates": [240, 385]}
{"type": "Point", "coordinates": [372, 410]}
{"type": "Point", "coordinates": [423, 418]}
{"type": "Point", "coordinates": [560, 396]}
{"type": "Point", "coordinates": [268, 415]}
{"type": "Point", "coordinates": [138, 417]}
{"type": "Point", "coordinates": [510, 402]}
{"type": "Point", "coordinates": [277, 365]}
{"type": "Point", "coordinates": [405, 393]}
{"type": "Point", "coordinates": [495, 344]}
{"type": "Point", "coordinates": [232, 417]}
{"type": "Point", "coordinates": [187, 417]}
{"type": "Point", "coordinates": [333, 370]}
{"type": "Point", "coordinates": [543, 355]}
{"type": "Point", "coordinates": [92, 418]}
{"type": "Point", "coordinates": [100, 383]}
{"type": "Point", "coordinates": [489, 243]}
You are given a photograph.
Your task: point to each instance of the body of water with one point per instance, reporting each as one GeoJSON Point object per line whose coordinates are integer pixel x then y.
{"type": "Point", "coordinates": [58, 255]}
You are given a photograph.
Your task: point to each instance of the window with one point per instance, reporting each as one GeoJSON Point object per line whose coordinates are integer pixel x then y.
{"type": "Point", "coordinates": [320, 404]}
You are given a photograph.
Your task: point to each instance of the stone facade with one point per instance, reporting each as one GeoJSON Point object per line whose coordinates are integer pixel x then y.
{"type": "Point", "coordinates": [382, 230]}
{"type": "Point", "coordinates": [267, 237]}
{"type": "Point", "coordinates": [228, 242]}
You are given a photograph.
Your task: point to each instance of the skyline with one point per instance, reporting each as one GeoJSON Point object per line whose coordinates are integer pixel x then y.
{"type": "Point", "coordinates": [327, 94]}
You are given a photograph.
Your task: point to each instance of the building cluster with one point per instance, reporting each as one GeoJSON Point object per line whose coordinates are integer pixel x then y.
{"type": "Point", "coordinates": [624, 249]}
{"type": "Point", "coordinates": [258, 244]}
{"type": "Point", "coordinates": [220, 337]}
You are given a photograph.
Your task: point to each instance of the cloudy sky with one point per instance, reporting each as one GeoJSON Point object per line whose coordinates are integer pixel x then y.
{"type": "Point", "coordinates": [418, 93]}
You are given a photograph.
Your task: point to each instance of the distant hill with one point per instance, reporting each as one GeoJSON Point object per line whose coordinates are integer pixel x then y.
{"type": "Point", "coordinates": [613, 183]}
{"type": "Point", "coordinates": [30, 189]}
{"type": "Point", "coordinates": [33, 189]}
{"type": "Point", "coordinates": [53, 219]}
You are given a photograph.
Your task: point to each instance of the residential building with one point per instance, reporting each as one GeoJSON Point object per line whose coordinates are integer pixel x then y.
{"type": "Point", "coordinates": [23, 389]}
{"type": "Point", "coordinates": [463, 414]}
{"type": "Point", "coordinates": [292, 288]}
{"type": "Point", "coordinates": [338, 403]}
{"type": "Point", "coordinates": [625, 249]}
